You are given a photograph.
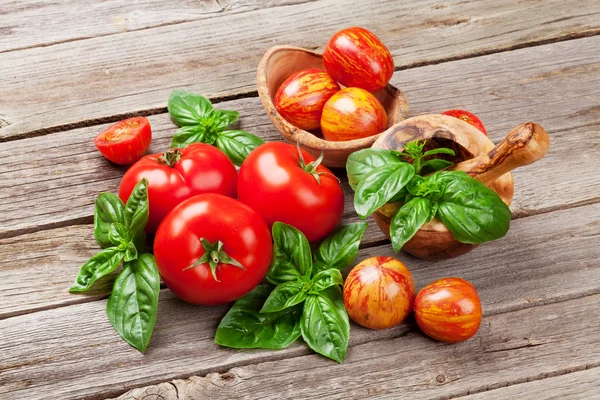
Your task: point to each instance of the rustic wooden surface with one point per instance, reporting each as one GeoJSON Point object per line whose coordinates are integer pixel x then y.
{"type": "Point", "coordinates": [95, 62]}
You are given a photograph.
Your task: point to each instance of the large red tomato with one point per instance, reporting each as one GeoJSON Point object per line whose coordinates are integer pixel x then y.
{"type": "Point", "coordinates": [177, 175]}
{"type": "Point", "coordinates": [126, 141]}
{"type": "Point", "coordinates": [212, 249]}
{"type": "Point", "coordinates": [467, 117]}
{"type": "Point", "coordinates": [356, 57]}
{"type": "Point", "coordinates": [291, 187]}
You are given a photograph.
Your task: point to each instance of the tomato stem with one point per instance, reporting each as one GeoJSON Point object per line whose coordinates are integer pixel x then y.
{"type": "Point", "coordinates": [312, 166]}
{"type": "Point", "coordinates": [170, 157]}
{"type": "Point", "coordinates": [213, 256]}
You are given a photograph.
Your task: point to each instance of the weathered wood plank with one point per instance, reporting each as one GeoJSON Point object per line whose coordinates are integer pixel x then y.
{"type": "Point", "coordinates": [56, 86]}
{"type": "Point", "coordinates": [70, 352]}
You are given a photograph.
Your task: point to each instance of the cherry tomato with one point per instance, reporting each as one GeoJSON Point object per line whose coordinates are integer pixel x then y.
{"type": "Point", "coordinates": [284, 185]}
{"type": "Point", "coordinates": [467, 117]}
{"type": "Point", "coordinates": [448, 310]}
{"type": "Point", "coordinates": [301, 97]}
{"type": "Point", "coordinates": [356, 57]}
{"type": "Point", "coordinates": [352, 113]}
{"type": "Point", "coordinates": [126, 141]}
{"type": "Point", "coordinates": [379, 293]}
{"type": "Point", "coordinates": [212, 249]}
{"type": "Point", "coordinates": [179, 174]}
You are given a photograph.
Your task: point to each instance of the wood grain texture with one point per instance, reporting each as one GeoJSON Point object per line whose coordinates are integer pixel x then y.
{"type": "Point", "coordinates": [121, 74]}
{"type": "Point", "coordinates": [71, 352]}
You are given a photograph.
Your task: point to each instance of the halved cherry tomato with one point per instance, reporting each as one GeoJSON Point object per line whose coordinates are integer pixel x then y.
{"type": "Point", "coordinates": [467, 117]}
{"type": "Point", "coordinates": [126, 141]}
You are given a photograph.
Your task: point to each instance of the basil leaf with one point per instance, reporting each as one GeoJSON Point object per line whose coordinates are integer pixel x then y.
{"type": "Point", "coordinates": [364, 161]}
{"type": "Point", "coordinates": [108, 209]}
{"type": "Point", "coordinates": [326, 279]}
{"type": "Point", "coordinates": [244, 327]}
{"type": "Point", "coordinates": [118, 235]}
{"type": "Point", "coordinates": [187, 135]}
{"type": "Point", "coordinates": [224, 118]}
{"type": "Point", "coordinates": [439, 150]}
{"type": "Point", "coordinates": [237, 145]}
{"type": "Point", "coordinates": [339, 249]}
{"type": "Point", "coordinates": [286, 295]}
{"type": "Point", "coordinates": [187, 108]}
{"type": "Point", "coordinates": [136, 209]}
{"type": "Point", "coordinates": [325, 325]}
{"type": "Point", "coordinates": [133, 303]}
{"type": "Point", "coordinates": [131, 252]}
{"type": "Point", "coordinates": [473, 212]}
{"type": "Point", "coordinates": [433, 165]}
{"type": "Point", "coordinates": [379, 186]}
{"type": "Point", "coordinates": [292, 256]}
{"type": "Point", "coordinates": [95, 268]}
{"type": "Point", "coordinates": [407, 221]}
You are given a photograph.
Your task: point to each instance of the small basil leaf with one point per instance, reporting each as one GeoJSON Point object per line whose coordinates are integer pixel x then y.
{"type": "Point", "coordinates": [223, 118]}
{"type": "Point", "coordinates": [187, 135]}
{"type": "Point", "coordinates": [131, 252]}
{"type": "Point", "coordinates": [244, 327]}
{"type": "Point", "coordinates": [439, 150]}
{"type": "Point", "coordinates": [187, 108]}
{"type": "Point", "coordinates": [433, 165]}
{"type": "Point", "coordinates": [325, 325]}
{"type": "Point", "coordinates": [133, 303]}
{"type": "Point", "coordinates": [364, 161]}
{"type": "Point", "coordinates": [286, 295]}
{"type": "Point", "coordinates": [407, 221]}
{"type": "Point", "coordinates": [292, 255]}
{"type": "Point", "coordinates": [95, 268]}
{"type": "Point", "coordinates": [108, 210]}
{"type": "Point", "coordinates": [326, 279]}
{"type": "Point", "coordinates": [237, 144]}
{"type": "Point", "coordinates": [118, 234]}
{"type": "Point", "coordinates": [136, 209]}
{"type": "Point", "coordinates": [380, 185]}
{"type": "Point", "coordinates": [339, 249]}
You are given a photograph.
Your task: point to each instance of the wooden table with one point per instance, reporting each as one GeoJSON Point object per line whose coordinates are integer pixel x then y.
{"type": "Point", "coordinates": [71, 68]}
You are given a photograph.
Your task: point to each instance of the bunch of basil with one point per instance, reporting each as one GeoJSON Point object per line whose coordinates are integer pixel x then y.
{"type": "Point", "coordinates": [303, 299]}
{"type": "Point", "coordinates": [473, 212]}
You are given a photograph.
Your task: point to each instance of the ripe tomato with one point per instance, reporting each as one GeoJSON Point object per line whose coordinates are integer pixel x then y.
{"type": "Point", "coordinates": [467, 117]}
{"type": "Point", "coordinates": [179, 174]}
{"type": "Point", "coordinates": [301, 97]}
{"type": "Point", "coordinates": [379, 293]}
{"type": "Point", "coordinates": [448, 310]}
{"type": "Point", "coordinates": [356, 57]}
{"type": "Point", "coordinates": [284, 185]}
{"type": "Point", "coordinates": [126, 141]}
{"type": "Point", "coordinates": [212, 249]}
{"type": "Point", "coordinates": [352, 113]}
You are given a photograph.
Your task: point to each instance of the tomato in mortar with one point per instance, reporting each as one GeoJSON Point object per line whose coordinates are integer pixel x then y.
{"type": "Point", "coordinates": [468, 117]}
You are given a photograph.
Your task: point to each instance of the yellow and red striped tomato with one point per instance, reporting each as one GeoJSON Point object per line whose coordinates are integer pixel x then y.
{"type": "Point", "coordinates": [352, 113]}
{"type": "Point", "coordinates": [448, 310]}
{"type": "Point", "coordinates": [356, 57]}
{"type": "Point", "coordinates": [379, 293]}
{"type": "Point", "coordinates": [301, 97]}
{"type": "Point", "coordinates": [468, 117]}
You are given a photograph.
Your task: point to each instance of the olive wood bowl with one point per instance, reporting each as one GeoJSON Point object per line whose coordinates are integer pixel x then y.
{"type": "Point", "coordinates": [277, 65]}
{"type": "Point", "coordinates": [475, 155]}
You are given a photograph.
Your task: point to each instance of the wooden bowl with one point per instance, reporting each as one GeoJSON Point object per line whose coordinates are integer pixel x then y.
{"type": "Point", "coordinates": [278, 64]}
{"type": "Point", "coordinates": [475, 155]}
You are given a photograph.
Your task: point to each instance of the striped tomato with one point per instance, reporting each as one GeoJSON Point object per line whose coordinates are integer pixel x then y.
{"type": "Point", "coordinates": [301, 97]}
{"type": "Point", "coordinates": [379, 293]}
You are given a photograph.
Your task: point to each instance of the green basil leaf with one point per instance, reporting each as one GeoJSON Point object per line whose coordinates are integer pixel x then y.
{"type": "Point", "coordinates": [433, 165]}
{"type": "Point", "coordinates": [364, 161]}
{"type": "Point", "coordinates": [96, 267]}
{"type": "Point", "coordinates": [187, 135]}
{"type": "Point", "coordinates": [473, 212]}
{"type": "Point", "coordinates": [292, 255]}
{"type": "Point", "coordinates": [326, 279]}
{"type": "Point", "coordinates": [339, 249]}
{"type": "Point", "coordinates": [439, 150]}
{"type": "Point", "coordinates": [118, 235]}
{"type": "Point", "coordinates": [133, 303]}
{"type": "Point", "coordinates": [108, 210]}
{"type": "Point", "coordinates": [131, 252]}
{"type": "Point", "coordinates": [244, 327]}
{"type": "Point", "coordinates": [140, 242]}
{"type": "Point", "coordinates": [325, 325]}
{"type": "Point", "coordinates": [380, 185]}
{"type": "Point", "coordinates": [286, 295]}
{"type": "Point", "coordinates": [187, 108]}
{"type": "Point", "coordinates": [237, 144]}
{"type": "Point", "coordinates": [136, 209]}
{"type": "Point", "coordinates": [408, 219]}
{"type": "Point", "coordinates": [224, 118]}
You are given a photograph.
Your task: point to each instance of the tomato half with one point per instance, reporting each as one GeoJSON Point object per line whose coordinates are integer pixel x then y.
{"type": "Point", "coordinates": [235, 237]}
{"type": "Point", "coordinates": [467, 117]}
{"type": "Point", "coordinates": [177, 175]}
{"type": "Point", "coordinates": [290, 187]}
{"type": "Point", "coordinates": [126, 141]}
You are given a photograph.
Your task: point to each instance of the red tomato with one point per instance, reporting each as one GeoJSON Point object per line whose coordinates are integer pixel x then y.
{"type": "Point", "coordinates": [467, 117]}
{"type": "Point", "coordinates": [356, 57]}
{"type": "Point", "coordinates": [379, 293]}
{"type": "Point", "coordinates": [352, 113]}
{"type": "Point", "coordinates": [179, 174]}
{"type": "Point", "coordinates": [301, 97]}
{"type": "Point", "coordinates": [210, 219]}
{"type": "Point", "coordinates": [126, 141]}
{"type": "Point", "coordinates": [448, 310]}
{"type": "Point", "coordinates": [281, 186]}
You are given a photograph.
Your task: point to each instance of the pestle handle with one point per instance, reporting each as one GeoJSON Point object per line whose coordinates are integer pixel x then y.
{"type": "Point", "coordinates": [524, 145]}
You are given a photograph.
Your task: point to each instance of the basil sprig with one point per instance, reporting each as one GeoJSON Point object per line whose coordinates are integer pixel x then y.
{"type": "Point", "coordinates": [303, 299]}
{"type": "Point", "coordinates": [119, 230]}
{"type": "Point", "coordinates": [199, 122]}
